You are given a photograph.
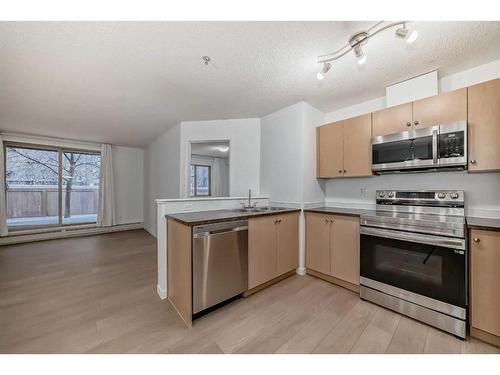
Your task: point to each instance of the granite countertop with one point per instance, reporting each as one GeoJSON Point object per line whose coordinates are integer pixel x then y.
{"type": "Point", "coordinates": [215, 216]}
{"type": "Point", "coordinates": [339, 210]}
{"type": "Point", "coordinates": [483, 223]}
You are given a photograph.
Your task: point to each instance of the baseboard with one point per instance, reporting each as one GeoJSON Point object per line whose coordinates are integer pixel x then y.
{"type": "Point", "coordinates": [485, 336]}
{"type": "Point", "coordinates": [258, 288]}
{"type": "Point", "coordinates": [67, 233]}
{"type": "Point", "coordinates": [334, 280]}
{"type": "Point", "coordinates": [161, 292]}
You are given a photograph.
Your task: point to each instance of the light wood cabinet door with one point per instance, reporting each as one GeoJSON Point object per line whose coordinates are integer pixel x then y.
{"type": "Point", "coordinates": [318, 228]}
{"type": "Point", "coordinates": [357, 146]}
{"type": "Point", "coordinates": [485, 281]}
{"type": "Point", "coordinates": [329, 151]}
{"type": "Point", "coordinates": [345, 248]}
{"type": "Point", "coordinates": [287, 242]}
{"type": "Point", "coordinates": [440, 109]}
{"type": "Point", "coordinates": [392, 120]}
{"type": "Point", "coordinates": [484, 126]}
{"type": "Point", "coordinates": [262, 255]}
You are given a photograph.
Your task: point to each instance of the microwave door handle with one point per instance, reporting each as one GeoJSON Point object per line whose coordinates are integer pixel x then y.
{"type": "Point", "coordinates": [434, 146]}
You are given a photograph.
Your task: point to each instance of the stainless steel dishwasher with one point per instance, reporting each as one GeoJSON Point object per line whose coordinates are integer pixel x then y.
{"type": "Point", "coordinates": [220, 263]}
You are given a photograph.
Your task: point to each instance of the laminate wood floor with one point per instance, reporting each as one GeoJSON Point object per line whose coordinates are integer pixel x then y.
{"type": "Point", "coordinates": [97, 294]}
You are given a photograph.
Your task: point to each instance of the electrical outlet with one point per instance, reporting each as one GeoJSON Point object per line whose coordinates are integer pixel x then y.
{"type": "Point", "coordinates": [362, 192]}
{"type": "Point", "coordinates": [188, 206]}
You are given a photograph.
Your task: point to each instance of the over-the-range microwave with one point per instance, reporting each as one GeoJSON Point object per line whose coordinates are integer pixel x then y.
{"type": "Point", "coordinates": [440, 147]}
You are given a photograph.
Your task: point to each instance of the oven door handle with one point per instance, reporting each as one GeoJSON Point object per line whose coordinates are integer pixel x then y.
{"type": "Point", "coordinates": [453, 243]}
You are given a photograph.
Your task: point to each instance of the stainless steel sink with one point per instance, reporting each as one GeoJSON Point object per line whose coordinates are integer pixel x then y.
{"type": "Point", "coordinates": [259, 209]}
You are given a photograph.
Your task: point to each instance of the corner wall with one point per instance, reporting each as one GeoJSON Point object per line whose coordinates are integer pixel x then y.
{"type": "Point", "coordinates": [161, 173]}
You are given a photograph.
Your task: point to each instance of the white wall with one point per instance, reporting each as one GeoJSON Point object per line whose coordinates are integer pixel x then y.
{"type": "Point", "coordinates": [281, 162]}
{"type": "Point", "coordinates": [483, 196]}
{"type": "Point", "coordinates": [129, 184]}
{"type": "Point", "coordinates": [244, 153]}
{"type": "Point", "coordinates": [161, 173]}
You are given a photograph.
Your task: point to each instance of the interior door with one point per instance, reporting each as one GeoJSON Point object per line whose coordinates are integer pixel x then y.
{"type": "Point", "coordinates": [440, 109]}
{"type": "Point", "coordinates": [318, 228]}
{"type": "Point", "coordinates": [288, 242]}
{"type": "Point", "coordinates": [357, 146]}
{"type": "Point", "coordinates": [345, 248]}
{"type": "Point", "coordinates": [484, 126]}
{"type": "Point", "coordinates": [330, 150]}
{"type": "Point", "coordinates": [392, 120]}
{"type": "Point", "coordinates": [262, 256]}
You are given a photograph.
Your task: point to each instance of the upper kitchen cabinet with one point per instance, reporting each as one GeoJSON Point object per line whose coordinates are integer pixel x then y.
{"type": "Point", "coordinates": [343, 148]}
{"type": "Point", "coordinates": [329, 141]}
{"type": "Point", "coordinates": [392, 120]}
{"type": "Point", "coordinates": [440, 109]}
{"type": "Point", "coordinates": [357, 146]}
{"type": "Point", "coordinates": [484, 126]}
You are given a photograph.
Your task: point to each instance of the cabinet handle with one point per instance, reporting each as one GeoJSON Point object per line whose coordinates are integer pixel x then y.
{"type": "Point", "coordinates": [473, 161]}
{"type": "Point", "coordinates": [275, 221]}
{"type": "Point", "coordinates": [415, 122]}
{"type": "Point", "coordinates": [279, 221]}
{"type": "Point", "coordinates": [408, 124]}
{"type": "Point", "coordinates": [340, 170]}
{"type": "Point", "coordinates": [327, 220]}
{"type": "Point", "coordinates": [345, 171]}
{"type": "Point", "coordinates": [476, 240]}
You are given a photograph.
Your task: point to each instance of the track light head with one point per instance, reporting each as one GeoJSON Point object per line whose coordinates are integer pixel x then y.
{"type": "Point", "coordinates": [360, 54]}
{"type": "Point", "coordinates": [406, 34]}
{"type": "Point", "coordinates": [326, 68]}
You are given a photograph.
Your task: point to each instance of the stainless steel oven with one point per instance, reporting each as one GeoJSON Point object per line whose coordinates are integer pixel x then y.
{"type": "Point", "coordinates": [426, 149]}
{"type": "Point", "coordinates": [413, 257]}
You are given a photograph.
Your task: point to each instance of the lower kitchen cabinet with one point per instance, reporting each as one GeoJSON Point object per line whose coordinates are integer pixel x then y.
{"type": "Point", "coordinates": [332, 248]}
{"type": "Point", "coordinates": [485, 284]}
{"type": "Point", "coordinates": [273, 247]}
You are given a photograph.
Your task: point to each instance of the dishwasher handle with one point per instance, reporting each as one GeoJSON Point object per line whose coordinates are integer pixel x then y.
{"type": "Point", "coordinates": [220, 231]}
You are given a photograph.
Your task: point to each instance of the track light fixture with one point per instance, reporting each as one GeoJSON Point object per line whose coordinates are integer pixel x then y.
{"type": "Point", "coordinates": [405, 34]}
{"type": "Point", "coordinates": [326, 67]}
{"type": "Point", "coordinates": [359, 39]}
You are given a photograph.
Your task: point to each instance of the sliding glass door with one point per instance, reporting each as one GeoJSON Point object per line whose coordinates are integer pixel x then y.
{"type": "Point", "coordinates": [49, 187]}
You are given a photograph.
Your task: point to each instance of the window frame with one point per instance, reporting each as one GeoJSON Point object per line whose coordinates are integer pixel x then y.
{"type": "Point", "coordinates": [60, 150]}
{"type": "Point", "coordinates": [195, 180]}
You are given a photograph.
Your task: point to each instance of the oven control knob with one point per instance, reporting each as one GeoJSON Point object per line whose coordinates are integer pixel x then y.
{"type": "Point", "coordinates": [442, 195]}
{"type": "Point", "coordinates": [453, 195]}
{"type": "Point", "coordinates": [381, 194]}
{"type": "Point", "coordinates": [390, 194]}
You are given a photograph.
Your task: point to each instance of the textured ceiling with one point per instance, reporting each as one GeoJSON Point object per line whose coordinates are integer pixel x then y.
{"type": "Point", "coordinates": [127, 82]}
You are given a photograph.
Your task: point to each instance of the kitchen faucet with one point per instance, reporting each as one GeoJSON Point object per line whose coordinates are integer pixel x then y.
{"type": "Point", "coordinates": [250, 204]}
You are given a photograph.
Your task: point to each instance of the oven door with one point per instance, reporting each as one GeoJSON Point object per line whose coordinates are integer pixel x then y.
{"type": "Point", "coordinates": [414, 149]}
{"type": "Point", "coordinates": [424, 269]}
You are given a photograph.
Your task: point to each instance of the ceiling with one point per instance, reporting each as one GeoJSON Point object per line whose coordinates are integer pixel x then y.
{"type": "Point", "coordinates": [213, 149]}
{"type": "Point", "coordinates": [127, 82]}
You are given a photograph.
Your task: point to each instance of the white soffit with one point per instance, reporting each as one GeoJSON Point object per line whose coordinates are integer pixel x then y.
{"type": "Point", "coordinates": [420, 87]}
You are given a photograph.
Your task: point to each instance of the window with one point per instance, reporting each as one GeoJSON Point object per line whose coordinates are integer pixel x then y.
{"type": "Point", "coordinates": [50, 186]}
{"type": "Point", "coordinates": [200, 180]}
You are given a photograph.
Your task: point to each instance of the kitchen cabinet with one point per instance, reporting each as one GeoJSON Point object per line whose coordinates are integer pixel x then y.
{"type": "Point", "coordinates": [392, 120]}
{"type": "Point", "coordinates": [273, 247]}
{"type": "Point", "coordinates": [484, 126]}
{"type": "Point", "coordinates": [440, 109]}
{"type": "Point", "coordinates": [332, 248]}
{"type": "Point", "coordinates": [343, 148]}
{"type": "Point", "coordinates": [330, 150]}
{"type": "Point", "coordinates": [318, 235]}
{"type": "Point", "coordinates": [484, 285]}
